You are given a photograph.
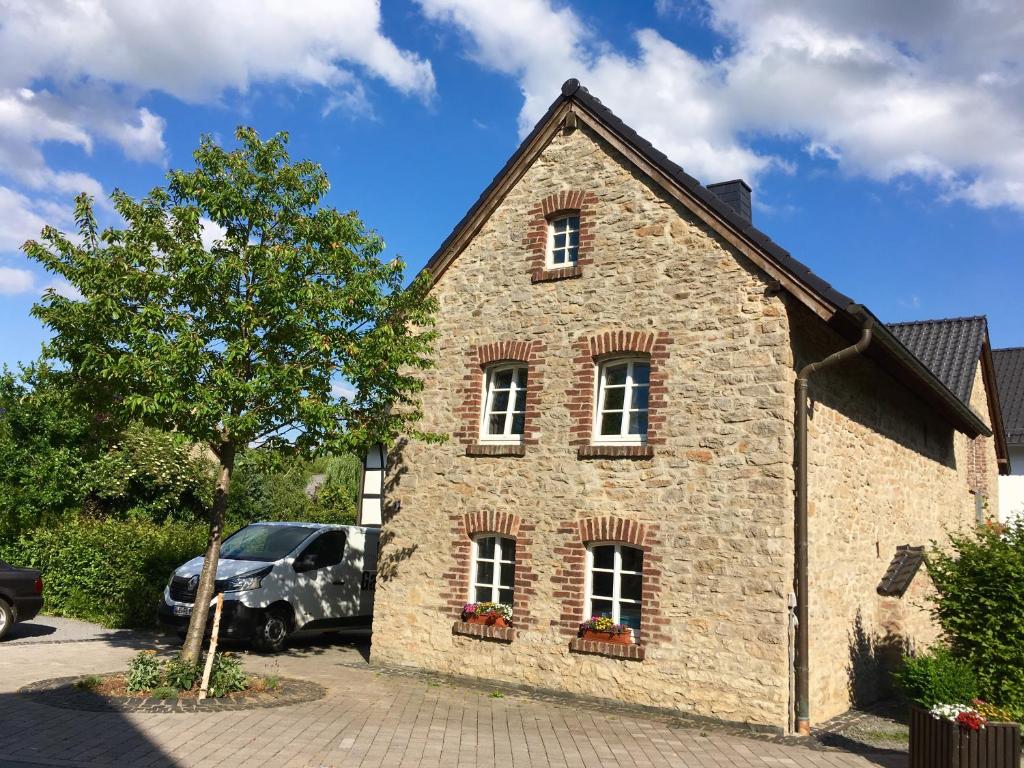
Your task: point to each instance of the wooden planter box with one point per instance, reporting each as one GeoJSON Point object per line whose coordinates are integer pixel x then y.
{"type": "Point", "coordinates": [944, 744]}
{"type": "Point", "coordinates": [490, 621]}
{"type": "Point", "coordinates": [620, 638]}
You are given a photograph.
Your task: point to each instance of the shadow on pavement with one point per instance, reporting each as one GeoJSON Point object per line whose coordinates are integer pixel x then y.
{"type": "Point", "coordinates": [28, 629]}
{"type": "Point", "coordinates": [35, 734]}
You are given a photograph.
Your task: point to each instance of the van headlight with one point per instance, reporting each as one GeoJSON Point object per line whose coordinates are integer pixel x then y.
{"type": "Point", "coordinates": [246, 581]}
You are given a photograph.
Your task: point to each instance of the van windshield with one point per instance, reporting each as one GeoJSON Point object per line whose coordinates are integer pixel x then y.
{"type": "Point", "coordinates": [266, 543]}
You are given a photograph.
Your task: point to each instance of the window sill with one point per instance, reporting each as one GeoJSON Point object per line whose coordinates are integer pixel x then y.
{"type": "Point", "coordinates": [561, 273]}
{"type": "Point", "coordinates": [615, 452]}
{"type": "Point", "coordinates": [484, 632]}
{"type": "Point", "coordinates": [496, 449]}
{"type": "Point", "coordinates": [631, 652]}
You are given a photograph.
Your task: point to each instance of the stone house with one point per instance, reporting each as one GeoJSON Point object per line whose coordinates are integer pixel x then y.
{"type": "Point", "coordinates": [617, 355]}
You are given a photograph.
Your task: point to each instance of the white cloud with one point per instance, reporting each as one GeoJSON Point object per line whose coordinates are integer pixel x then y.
{"type": "Point", "coordinates": [210, 232]}
{"type": "Point", "coordinates": [64, 288]}
{"type": "Point", "coordinates": [22, 218]}
{"type": "Point", "coordinates": [14, 280]}
{"type": "Point", "coordinates": [342, 389]}
{"type": "Point", "coordinates": [928, 88]}
{"type": "Point", "coordinates": [196, 49]}
{"type": "Point", "coordinates": [74, 71]}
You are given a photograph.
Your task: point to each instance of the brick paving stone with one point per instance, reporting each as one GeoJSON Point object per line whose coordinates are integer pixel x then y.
{"type": "Point", "coordinates": [369, 718]}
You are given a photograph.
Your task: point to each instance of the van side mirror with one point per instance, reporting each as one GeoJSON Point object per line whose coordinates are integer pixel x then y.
{"type": "Point", "coordinates": [305, 563]}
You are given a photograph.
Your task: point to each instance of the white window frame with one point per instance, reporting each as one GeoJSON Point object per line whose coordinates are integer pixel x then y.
{"type": "Point", "coordinates": [505, 438]}
{"type": "Point", "coordinates": [623, 438]}
{"type": "Point", "coordinates": [616, 599]}
{"type": "Point", "coordinates": [495, 586]}
{"type": "Point", "coordinates": [550, 256]}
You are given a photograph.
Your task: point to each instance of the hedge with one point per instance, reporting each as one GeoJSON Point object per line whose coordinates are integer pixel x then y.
{"type": "Point", "coordinates": [108, 571]}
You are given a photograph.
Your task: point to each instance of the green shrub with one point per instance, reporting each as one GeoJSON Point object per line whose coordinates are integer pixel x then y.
{"type": "Point", "coordinates": [937, 677]}
{"type": "Point", "coordinates": [165, 693]}
{"type": "Point", "coordinates": [180, 674]}
{"type": "Point", "coordinates": [227, 675]}
{"type": "Point", "coordinates": [980, 607]}
{"type": "Point", "coordinates": [144, 672]}
{"type": "Point", "coordinates": [108, 571]}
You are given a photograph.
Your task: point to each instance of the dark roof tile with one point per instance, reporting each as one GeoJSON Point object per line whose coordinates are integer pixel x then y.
{"type": "Point", "coordinates": [901, 571]}
{"type": "Point", "coordinates": [1009, 364]}
{"type": "Point", "coordinates": [951, 348]}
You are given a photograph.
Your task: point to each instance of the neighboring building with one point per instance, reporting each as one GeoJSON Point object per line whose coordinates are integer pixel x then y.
{"type": "Point", "coordinates": [958, 351]}
{"type": "Point", "coordinates": [616, 359]}
{"type": "Point", "coordinates": [1009, 364]}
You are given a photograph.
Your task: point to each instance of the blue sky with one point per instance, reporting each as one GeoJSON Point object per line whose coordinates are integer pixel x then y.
{"type": "Point", "coordinates": [885, 144]}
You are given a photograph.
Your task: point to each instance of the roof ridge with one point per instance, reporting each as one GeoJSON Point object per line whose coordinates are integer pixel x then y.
{"type": "Point", "coordinates": [1008, 349]}
{"type": "Point", "coordinates": [940, 320]}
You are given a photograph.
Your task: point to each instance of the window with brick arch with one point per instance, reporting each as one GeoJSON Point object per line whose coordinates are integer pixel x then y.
{"type": "Point", "coordinates": [615, 583]}
{"type": "Point", "coordinates": [622, 401]}
{"type": "Point", "coordinates": [504, 413]}
{"type": "Point", "coordinates": [493, 569]}
{"type": "Point", "coordinates": [563, 241]}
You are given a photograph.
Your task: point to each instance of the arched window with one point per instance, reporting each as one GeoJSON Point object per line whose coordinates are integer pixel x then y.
{"type": "Point", "coordinates": [504, 413]}
{"type": "Point", "coordinates": [493, 569]}
{"type": "Point", "coordinates": [615, 583]}
{"type": "Point", "coordinates": [622, 401]}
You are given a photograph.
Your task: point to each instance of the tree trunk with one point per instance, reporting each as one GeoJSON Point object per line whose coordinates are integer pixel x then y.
{"type": "Point", "coordinates": [208, 578]}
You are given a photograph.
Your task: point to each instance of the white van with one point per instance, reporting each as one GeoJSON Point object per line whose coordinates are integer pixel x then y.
{"type": "Point", "coordinates": [279, 578]}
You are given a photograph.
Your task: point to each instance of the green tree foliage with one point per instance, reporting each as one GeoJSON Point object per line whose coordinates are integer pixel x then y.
{"type": "Point", "coordinates": [240, 342]}
{"type": "Point", "coordinates": [980, 607]}
{"type": "Point", "coordinates": [274, 485]}
{"type": "Point", "coordinates": [109, 571]}
{"type": "Point", "coordinates": [58, 459]}
{"type": "Point", "coordinates": [45, 441]}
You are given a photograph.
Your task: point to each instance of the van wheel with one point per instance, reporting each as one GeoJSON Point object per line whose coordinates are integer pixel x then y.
{"type": "Point", "coordinates": [272, 631]}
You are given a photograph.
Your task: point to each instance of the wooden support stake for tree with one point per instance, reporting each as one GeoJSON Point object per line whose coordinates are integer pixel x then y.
{"type": "Point", "coordinates": [213, 648]}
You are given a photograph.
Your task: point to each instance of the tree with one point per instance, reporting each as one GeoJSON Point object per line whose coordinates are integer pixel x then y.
{"type": "Point", "coordinates": [238, 343]}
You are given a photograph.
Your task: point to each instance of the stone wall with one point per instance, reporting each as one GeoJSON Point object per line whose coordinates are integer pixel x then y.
{"type": "Point", "coordinates": [711, 499]}
{"type": "Point", "coordinates": [884, 470]}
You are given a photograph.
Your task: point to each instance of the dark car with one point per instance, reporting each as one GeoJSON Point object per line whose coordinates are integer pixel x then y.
{"type": "Point", "coordinates": [21, 595]}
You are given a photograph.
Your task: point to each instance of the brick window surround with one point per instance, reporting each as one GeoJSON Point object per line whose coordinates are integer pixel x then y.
{"type": "Point", "coordinates": [463, 529]}
{"type": "Point", "coordinates": [570, 202]}
{"type": "Point", "coordinates": [569, 581]}
{"type": "Point", "coordinates": [468, 412]}
{"type": "Point", "coordinates": [588, 353]}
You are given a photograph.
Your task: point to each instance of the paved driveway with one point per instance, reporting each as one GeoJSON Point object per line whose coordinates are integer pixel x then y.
{"type": "Point", "coordinates": [369, 718]}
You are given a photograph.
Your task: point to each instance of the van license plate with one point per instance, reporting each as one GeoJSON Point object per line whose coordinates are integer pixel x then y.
{"type": "Point", "coordinates": [183, 610]}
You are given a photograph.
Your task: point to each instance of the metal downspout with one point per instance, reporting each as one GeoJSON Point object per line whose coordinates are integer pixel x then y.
{"type": "Point", "coordinates": [803, 719]}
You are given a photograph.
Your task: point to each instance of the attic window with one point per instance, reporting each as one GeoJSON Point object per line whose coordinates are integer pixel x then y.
{"type": "Point", "coordinates": [563, 241]}
{"type": "Point", "coordinates": [901, 571]}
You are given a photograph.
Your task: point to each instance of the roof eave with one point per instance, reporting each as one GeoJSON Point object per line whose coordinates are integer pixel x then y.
{"type": "Point", "coordinates": [917, 376]}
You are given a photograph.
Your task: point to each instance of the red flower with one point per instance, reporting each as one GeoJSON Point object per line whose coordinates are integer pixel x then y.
{"type": "Point", "coordinates": [971, 720]}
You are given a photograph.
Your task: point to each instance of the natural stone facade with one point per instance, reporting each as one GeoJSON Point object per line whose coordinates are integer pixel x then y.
{"type": "Point", "coordinates": [885, 471]}
{"type": "Point", "coordinates": [709, 499]}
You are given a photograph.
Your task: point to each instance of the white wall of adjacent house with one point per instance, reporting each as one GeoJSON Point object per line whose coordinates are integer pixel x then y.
{"type": "Point", "coordinates": [1011, 487]}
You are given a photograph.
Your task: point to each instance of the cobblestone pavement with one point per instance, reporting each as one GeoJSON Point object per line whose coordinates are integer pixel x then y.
{"type": "Point", "coordinates": [369, 717]}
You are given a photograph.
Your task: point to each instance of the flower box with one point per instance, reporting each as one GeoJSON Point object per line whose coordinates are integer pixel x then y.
{"type": "Point", "coordinates": [621, 638]}
{"type": "Point", "coordinates": [938, 743]}
{"type": "Point", "coordinates": [488, 619]}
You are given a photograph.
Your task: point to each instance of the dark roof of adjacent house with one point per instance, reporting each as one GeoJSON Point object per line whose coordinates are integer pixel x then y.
{"type": "Point", "coordinates": [844, 315]}
{"type": "Point", "coordinates": [1009, 365]}
{"type": "Point", "coordinates": [951, 348]}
